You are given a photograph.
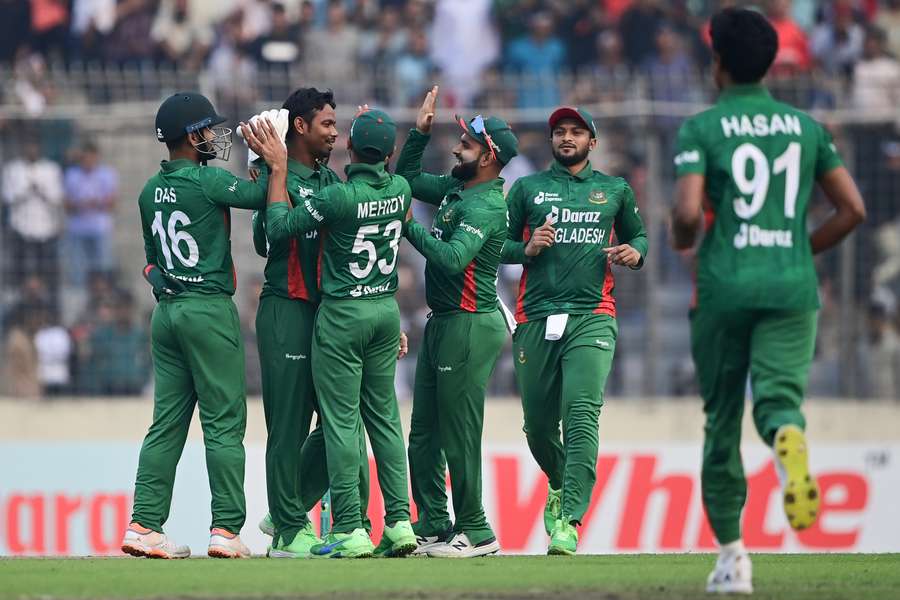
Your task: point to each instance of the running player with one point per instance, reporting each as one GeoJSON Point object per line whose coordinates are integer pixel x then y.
{"type": "Point", "coordinates": [465, 332]}
{"type": "Point", "coordinates": [750, 162]}
{"type": "Point", "coordinates": [562, 223]}
{"type": "Point", "coordinates": [198, 354]}
{"type": "Point", "coordinates": [357, 328]}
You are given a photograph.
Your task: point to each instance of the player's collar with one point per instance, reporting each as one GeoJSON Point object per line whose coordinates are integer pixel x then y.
{"type": "Point", "coordinates": [481, 188]}
{"type": "Point", "coordinates": [745, 89]}
{"type": "Point", "coordinates": [371, 173]}
{"type": "Point", "coordinates": [299, 169]}
{"type": "Point", "coordinates": [168, 166]}
{"type": "Point", "coordinates": [557, 169]}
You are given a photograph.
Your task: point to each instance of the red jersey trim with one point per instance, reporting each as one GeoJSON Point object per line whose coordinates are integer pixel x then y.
{"type": "Point", "coordinates": [520, 299]}
{"type": "Point", "coordinates": [469, 300]}
{"type": "Point", "coordinates": [296, 284]}
{"type": "Point", "coordinates": [607, 304]}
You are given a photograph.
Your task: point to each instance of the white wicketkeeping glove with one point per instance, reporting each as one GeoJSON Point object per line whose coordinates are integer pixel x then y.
{"type": "Point", "coordinates": [280, 119]}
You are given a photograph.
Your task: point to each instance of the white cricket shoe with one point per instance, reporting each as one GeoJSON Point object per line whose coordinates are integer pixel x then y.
{"type": "Point", "coordinates": [459, 546]}
{"type": "Point", "coordinates": [224, 544]}
{"type": "Point", "coordinates": [424, 543]}
{"type": "Point", "coordinates": [140, 541]}
{"type": "Point", "coordinates": [733, 574]}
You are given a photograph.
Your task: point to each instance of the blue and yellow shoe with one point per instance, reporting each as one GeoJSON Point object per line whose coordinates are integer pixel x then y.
{"type": "Point", "coordinates": [800, 492]}
{"type": "Point", "coordinates": [355, 544]}
{"type": "Point", "coordinates": [564, 539]}
{"type": "Point", "coordinates": [397, 541]}
{"type": "Point", "coordinates": [552, 509]}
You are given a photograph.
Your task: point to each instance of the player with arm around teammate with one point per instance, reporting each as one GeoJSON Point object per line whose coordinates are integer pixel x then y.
{"type": "Point", "coordinates": [465, 331]}
{"type": "Point", "coordinates": [750, 163]}
{"type": "Point", "coordinates": [357, 328]}
{"type": "Point", "coordinates": [198, 355]}
{"type": "Point", "coordinates": [562, 227]}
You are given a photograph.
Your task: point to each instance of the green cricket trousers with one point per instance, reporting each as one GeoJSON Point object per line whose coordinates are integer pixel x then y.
{"type": "Point", "coordinates": [457, 357]}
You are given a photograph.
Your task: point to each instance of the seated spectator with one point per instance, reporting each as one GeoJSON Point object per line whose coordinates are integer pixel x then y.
{"type": "Point", "coordinates": [54, 354]}
{"type": "Point", "coordinates": [92, 22]}
{"type": "Point", "coordinates": [32, 189]}
{"type": "Point", "coordinates": [332, 53]}
{"type": "Point", "coordinates": [118, 360]}
{"type": "Point", "coordinates": [32, 292]}
{"type": "Point", "coordinates": [281, 45]}
{"type": "Point", "coordinates": [232, 71]}
{"type": "Point", "coordinates": [464, 45]}
{"type": "Point", "coordinates": [91, 193]}
{"type": "Point", "coordinates": [793, 46]}
{"type": "Point", "coordinates": [637, 26]}
{"type": "Point", "coordinates": [20, 358]}
{"type": "Point", "coordinates": [49, 26]}
{"type": "Point", "coordinates": [538, 59]}
{"type": "Point", "coordinates": [888, 20]}
{"type": "Point", "coordinates": [14, 28]}
{"type": "Point", "coordinates": [181, 41]}
{"type": "Point", "coordinates": [379, 50]}
{"type": "Point", "coordinates": [130, 42]}
{"type": "Point", "coordinates": [583, 21]}
{"type": "Point", "coordinates": [837, 43]}
{"type": "Point", "coordinates": [414, 70]}
{"type": "Point", "coordinates": [883, 351]}
{"type": "Point", "coordinates": [876, 77]}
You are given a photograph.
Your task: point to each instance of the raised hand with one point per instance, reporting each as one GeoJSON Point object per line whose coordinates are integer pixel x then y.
{"type": "Point", "coordinates": [262, 138]}
{"type": "Point", "coordinates": [543, 237]}
{"type": "Point", "coordinates": [426, 114]}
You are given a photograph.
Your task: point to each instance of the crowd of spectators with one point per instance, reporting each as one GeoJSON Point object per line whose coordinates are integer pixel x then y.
{"type": "Point", "coordinates": [57, 205]}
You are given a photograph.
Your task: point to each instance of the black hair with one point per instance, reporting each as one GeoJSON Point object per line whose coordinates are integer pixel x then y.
{"type": "Point", "coordinates": [305, 103]}
{"type": "Point", "coordinates": [745, 42]}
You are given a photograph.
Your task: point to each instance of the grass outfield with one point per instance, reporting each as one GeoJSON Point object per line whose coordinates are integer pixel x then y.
{"type": "Point", "coordinates": [793, 577]}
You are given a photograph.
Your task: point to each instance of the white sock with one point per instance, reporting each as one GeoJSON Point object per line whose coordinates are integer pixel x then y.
{"type": "Point", "coordinates": [733, 548]}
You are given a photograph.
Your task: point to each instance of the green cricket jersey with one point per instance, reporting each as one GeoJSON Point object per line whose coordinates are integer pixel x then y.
{"type": "Point", "coordinates": [760, 159]}
{"type": "Point", "coordinates": [461, 273]}
{"type": "Point", "coordinates": [361, 222]}
{"type": "Point", "coordinates": [588, 209]}
{"type": "Point", "coordinates": [292, 265]}
{"type": "Point", "coordinates": [186, 220]}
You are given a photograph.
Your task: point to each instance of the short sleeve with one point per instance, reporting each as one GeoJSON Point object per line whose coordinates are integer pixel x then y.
{"type": "Point", "coordinates": [827, 156]}
{"type": "Point", "coordinates": [690, 155]}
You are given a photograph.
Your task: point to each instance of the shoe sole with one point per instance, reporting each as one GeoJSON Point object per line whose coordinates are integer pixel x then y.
{"type": "Point", "coordinates": [285, 554]}
{"type": "Point", "coordinates": [219, 552]}
{"type": "Point", "coordinates": [485, 551]}
{"type": "Point", "coordinates": [729, 588]}
{"type": "Point", "coordinates": [801, 491]}
{"type": "Point", "coordinates": [144, 552]}
{"type": "Point", "coordinates": [557, 551]}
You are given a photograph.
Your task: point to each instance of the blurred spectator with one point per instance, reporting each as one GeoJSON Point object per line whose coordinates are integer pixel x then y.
{"type": "Point", "coordinates": [32, 292]}
{"type": "Point", "coordinates": [581, 25]}
{"type": "Point", "coordinates": [49, 26]}
{"type": "Point", "coordinates": [416, 14]}
{"type": "Point", "coordinates": [888, 20]}
{"type": "Point", "coordinates": [331, 54]}
{"type": "Point", "coordinates": [793, 47]}
{"type": "Point", "coordinates": [280, 46]}
{"type": "Point", "coordinates": [882, 357]}
{"type": "Point", "coordinates": [638, 26]}
{"type": "Point", "coordinates": [130, 42]}
{"type": "Point", "coordinates": [32, 188]}
{"type": "Point", "coordinates": [54, 353]}
{"type": "Point", "coordinates": [92, 22]}
{"type": "Point", "coordinates": [92, 190]}
{"type": "Point", "coordinates": [414, 71]}
{"type": "Point", "coordinates": [118, 360]}
{"type": "Point", "coordinates": [670, 68]}
{"type": "Point", "coordinates": [379, 50]}
{"type": "Point", "coordinates": [837, 43]}
{"type": "Point", "coordinates": [181, 40]}
{"type": "Point", "coordinates": [15, 28]}
{"type": "Point", "coordinates": [876, 77]}
{"type": "Point", "coordinates": [255, 18]}
{"type": "Point", "coordinates": [20, 358]}
{"type": "Point", "coordinates": [538, 58]}
{"type": "Point", "coordinates": [30, 86]}
{"type": "Point", "coordinates": [232, 72]}
{"type": "Point", "coordinates": [689, 28]}
{"type": "Point", "coordinates": [464, 42]}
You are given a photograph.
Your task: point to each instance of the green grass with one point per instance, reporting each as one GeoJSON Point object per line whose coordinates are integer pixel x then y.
{"type": "Point", "coordinates": [792, 577]}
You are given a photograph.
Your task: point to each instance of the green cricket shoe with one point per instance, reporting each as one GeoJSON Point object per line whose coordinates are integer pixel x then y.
{"type": "Point", "coordinates": [300, 546]}
{"type": "Point", "coordinates": [398, 541]}
{"type": "Point", "coordinates": [552, 509]}
{"type": "Point", "coordinates": [564, 539]}
{"type": "Point", "coordinates": [355, 544]}
{"type": "Point", "coordinates": [267, 526]}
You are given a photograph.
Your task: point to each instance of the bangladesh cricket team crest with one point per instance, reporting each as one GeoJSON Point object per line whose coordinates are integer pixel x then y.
{"type": "Point", "coordinates": [522, 355]}
{"type": "Point", "coordinates": [447, 215]}
{"type": "Point", "coordinates": [597, 197]}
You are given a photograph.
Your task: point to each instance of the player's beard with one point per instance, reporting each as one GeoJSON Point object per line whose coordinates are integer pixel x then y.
{"type": "Point", "coordinates": [572, 159]}
{"type": "Point", "coordinates": [466, 170]}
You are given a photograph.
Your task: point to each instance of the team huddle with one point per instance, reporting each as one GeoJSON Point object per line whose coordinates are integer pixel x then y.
{"type": "Point", "coordinates": [328, 325]}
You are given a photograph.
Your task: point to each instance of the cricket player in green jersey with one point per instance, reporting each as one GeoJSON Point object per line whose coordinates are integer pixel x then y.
{"type": "Point", "coordinates": [750, 163]}
{"type": "Point", "coordinates": [465, 331]}
{"type": "Point", "coordinates": [198, 354]}
{"type": "Point", "coordinates": [295, 480]}
{"type": "Point", "coordinates": [357, 328]}
{"type": "Point", "coordinates": [562, 227]}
